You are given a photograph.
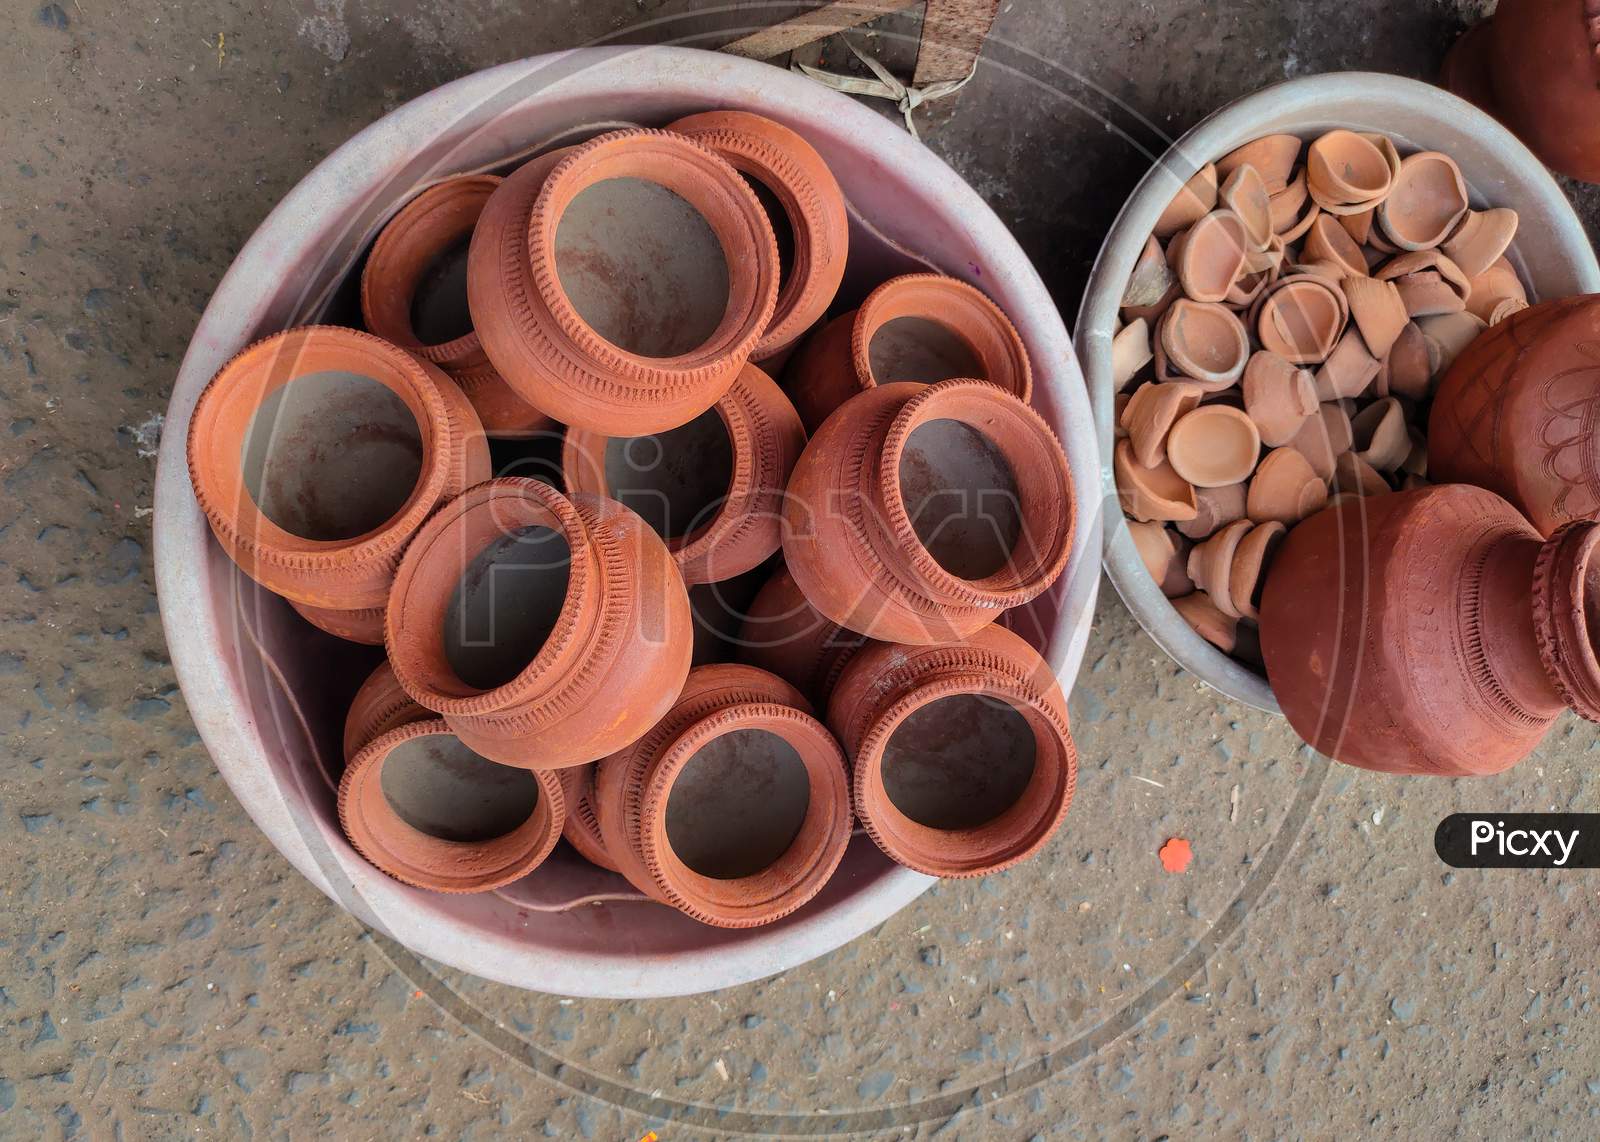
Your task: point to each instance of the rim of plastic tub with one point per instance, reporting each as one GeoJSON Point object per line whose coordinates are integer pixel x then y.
{"type": "Point", "coordinates": [1499, 171]}
{"type": "Point", "coordinates": [479, 123]}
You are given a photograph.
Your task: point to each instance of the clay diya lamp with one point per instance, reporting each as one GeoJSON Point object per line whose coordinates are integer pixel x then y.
{"type": "Point", "coordinates": [712, 488]}
{"type": "Point", "coordinates": [1381, 439]}
{"type": "Point", "coordinates": [785, 635]}
{"type": "Point", "coordinates": [1428, 200]}
{"type": "Point", "coordinates": [1481, 239]}
{"type": "Point", "coordinates": [1202, 343]}
{"type": "Point", "coordinates": [734, 808]}
{"type": "Point", "coordinates": [1285, 488]}
{"type": "Point", "coordinates": [1359, 227]}
{"type": "Point", "coordinates": [1292, 210]}
{"type": "Point", "coordinates": [1165, 555]}
{"type": "Point", "coordinates": [1196, 199]}
{"type": "Point", "coordinates": [1202, 615]}
{"type": "Point", "coordinates": [1348, 370]}
{"type": "Point", "coordinates": [1408, 369]}
{"type": "Point", "coordinates": [1211, 562]}
{"type": "Point", "coordinates": [1150, 414]}
{"type": "Point", "coordinates": [422, 806]}
{"type": "Point", "coordinates": [536, 297]}
{"type": "Point", "coordinates": [1151, 287]}
{"type": "Point", "coordinates": [1273, 156]}
{"type": "Point", "coordinates": [919, 327]}
{"type": "Point", "coordinates": [414, 295]}
{"type": "Point", "coordinates": [1324, 437]}
{"type": "Point", "coordinates": [1423, 265]}
{"type": "Point", "coordinates": [548, 631]}
{"type": "Point", "coordinates": [919, 513]}
{"type": "Point", "coordinates": [1347, 172]}
{"type": "Point", "coordinates": [1215, 508]}
{"type": "Point", "coordinates": [1353, 476]}
{"type": "Point", "coordinates": [1447, 336]}
{"type": "Point", "coordinates": [1300, 318]}
{"type": "Point", "coordinates": [1211, 256]}
{"type": "Point", "coordinates": [379, 706]}
{"type": "Point", "coordinates": [1278, 397]}
{"type": "Point", "coordinates": [1378, 311]}
{"type": "Point", "coordinates": [962, 759]}
{"type": "Point", "coordinates": [1431, 631]}
{"type": "Point", "coordinates": [1489, 293]}
{"type": "Point", "coordinates": [1213, 446]}
{"type": "Point", "coordinates": [1250, 559]}
{"type": "Point", "coordinates": [582, 826]}
{"type": "Point", "coordinates": [806, 210]}
{"type": "Point", "coordinates": [1327, 241]}
{"type": "Point", "coordinates": [317, 453]}
{"type": "Point", "coordinates": [1245, 194]}
{"type": "Point", "coordinates": [1151, 492]}
{"type": "Point", "coordinates": [1130, 351]}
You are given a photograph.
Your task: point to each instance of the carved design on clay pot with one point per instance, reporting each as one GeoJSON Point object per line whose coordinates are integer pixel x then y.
{"type": "Point", "coordinates": [582, 826]}
{"type": "Point", "coordinates": [379, 706]}
{"type": "Point", "coordinates": [785, 635]}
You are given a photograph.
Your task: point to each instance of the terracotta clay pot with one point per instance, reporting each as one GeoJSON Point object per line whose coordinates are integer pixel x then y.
{"type": "Point", "coordinates": [546, 343]}
{"type": "Point", "coordinates": [548, 631]}
{"type": "Point", "coordinates": [713, 488]}
{"type": "Point", "coordinates": [1515, 413]}
{"type": "Point", "coordinates": [919, 327]}
{"type": "Point", "coordinates": [417, 252]}
{"type": "Point", "coordinates": [364, 625]}
{"type": "Point", "coordinates": [734, 807]}
{"type": "Point", "coordinates": [582, 826]}
{"type": "Point", "coordinates": [464, 824]}
{"type": "Point", "coordinates": [379, 706]}
{"type": "Point", "coordinates": [920, 513]}
{"type": "Point", "coordinates": [318, 452]}
{"type": "Point", "coordinates": [962, 760]}
{"type": "Point", "coordinates": [1431, 631]}
{"type": "Point", "coordinates": [785, 635]}
{"type": "Point", "coordinates": [792, 172]}
{"type": "Point", "coordinates": [1532, 66]}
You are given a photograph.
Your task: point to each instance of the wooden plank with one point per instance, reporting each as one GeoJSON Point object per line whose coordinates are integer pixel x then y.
{"type": "Point", "coordinates": [953, 32]}
{"type": "Point", "coordinates": [827, 20]}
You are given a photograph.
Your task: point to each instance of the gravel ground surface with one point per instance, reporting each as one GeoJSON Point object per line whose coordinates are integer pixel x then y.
{"type": "Point", "coordinates": [1315, 972]}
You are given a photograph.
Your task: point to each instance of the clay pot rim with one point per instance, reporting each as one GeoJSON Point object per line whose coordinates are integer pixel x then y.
{"type": "Point", "coordinates": [1214, 382]}
{"type": "Point", "coordinates": [799, 178]}
{"type": "Point", "coordinates": [417, 232]}
{"type": "Point", "coordinates": [700, 177]}
{"type": "Point", "coordinates": [1292, 284]}
{"type": "Point", "coordinates": [948, 302]}
{"type": "Point", "coordinates": [369, 822]}
{"type": "Point", "coordinates": [221, 424]}
{"type": "Point", "coordinates": [386, 700]}
{"type": "Point", "coordinates": [924, 848]}
{"type": "Point", "coordinates": [1561, 624]}
{"type": "Point", "coordinates": [804, 867]}
{"type": "Point", "coordinates": [1051, 519]}
{"type": "Point", "coordinates": [437, 686]}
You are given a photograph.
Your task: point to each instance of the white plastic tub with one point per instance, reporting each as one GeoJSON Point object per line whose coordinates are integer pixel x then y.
{"type": "Point", "coordinates": [262, 688]}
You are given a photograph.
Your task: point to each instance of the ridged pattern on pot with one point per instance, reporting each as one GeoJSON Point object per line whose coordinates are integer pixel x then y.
{"type": "Point", "coordinates": [536, 719]}
{"type": "Point", "coordinates": [582, 827]}
{"type": "Point", "coordinates": [791, 169]}
{"type": "Point", "coordinates": [785, 635]}
{"type": "Point", "coordinates": [378, 707]}
{"type": "Point", "coordinates": [364, 625]}
{"type": "Point", "coordinates": [767, 439]}
{"type": "Point", "coordinates": [848, 539]}
{"type": "Point", "coordinates": [341, 575]}
{"type": "Point", "coordinates": [1562, 580]}
{"type": "Point", "coordinates": [554, 358]}
{"type": "Point", "coordinates": [422, 861]}
{"type": "Point", "coordinates": [885, 684]}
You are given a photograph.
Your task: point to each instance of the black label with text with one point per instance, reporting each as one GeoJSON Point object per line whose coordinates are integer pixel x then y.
{"type": "Point", "coordinates": [1519, 840]}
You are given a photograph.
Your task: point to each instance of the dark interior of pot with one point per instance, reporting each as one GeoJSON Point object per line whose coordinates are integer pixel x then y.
{"type": "Point", "coordinates": [506, 605]}
{"type": "Point", "coordinates": [331, 455]}
{"type": "Point", "coordinates": [961, 495]}
{"type": "Point", "coordinates": [918, 349]}
{"type": "Point", "coordinates": [438, 786]}
{"type": "Point", "coordinates": [782, 231]}
{"type": "Point", "coordinates": [959, 762]}
{"type": "Point", "coordinates": [737, 804]}
{"type": "Point", "coordinates": [439, 306]}
{"type": "Point", "coordinates": [676, 480]}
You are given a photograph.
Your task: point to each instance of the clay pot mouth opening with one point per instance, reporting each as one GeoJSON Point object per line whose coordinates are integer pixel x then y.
{"type": "Point", "coordinates": [678, 481]}
{"type": "Point", "coordinates": [445, 819]}
{"type": "Point", "coordinates": [921, 349]}
{"type": "Point", "coordinates": [746, 814]}
{"type": "Point", "coordinates": [438, 311]}
{"type": "Point", "coordinates": [961, 777]}
{"type": "Point", "coordinates": [332, 455]}
{"type": "Point", "coordinates": [976, 483]}
{"type": "Point", "coordinates": [929, 328]}
{"type": "Point", "coordinates": [505, 605]}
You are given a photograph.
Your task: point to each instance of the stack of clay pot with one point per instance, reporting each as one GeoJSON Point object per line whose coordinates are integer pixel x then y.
{"type": "Point", "coordinates": [1282, 337]}
{"type": "Point", "coordinates": [896, 495]}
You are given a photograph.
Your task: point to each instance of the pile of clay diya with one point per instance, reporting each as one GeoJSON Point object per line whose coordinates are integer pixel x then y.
{"type": "Point", "coordinates": [1282, 335]}
{"type": "Point", "coordinates": [666, 306]}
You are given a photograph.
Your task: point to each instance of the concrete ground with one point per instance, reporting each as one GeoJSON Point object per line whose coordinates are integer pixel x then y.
{"type": "Point", "coordinates": [1315, 972]}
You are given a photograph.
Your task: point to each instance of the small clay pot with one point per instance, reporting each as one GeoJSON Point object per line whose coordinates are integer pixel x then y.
{"type": "Point", "coordinates": [1408, 369]}
{"type": "Point", "coordinates": [1213, 446]}
{"type": "Point", "coordinates": [582, 826]}
{"type": "Point", "coordinates": [423, 858]}
{"type": "Point", "coordinates": [1202, 615]}
{"type": "Point", "coordinates": [939, 739]}
{"type": "Point", "coordinates": [533, 330]}
{"type": "Point", "coordinates": [1278, 397]}
{"type": "Point", "coordinates": [1165, 555]}
{"type": "Point", "coordinates": [1378, 311]}
{"type": "Point", "coordinates": [685, 826]}
{"type": "Point", "coordinates": [1214, 508]}
{"type": "Point", "coordinates": [1348, 370]}
{"type": "Point", "coordinates": [1273, 156]}
{"type": "Point", "coordinates": [792, 172]}
{"type": "Point", "coordinates": [1347, 172]}
{"type": "Point", "coordinates": [1380, 434]}
{"type": "Point", "coordinates": [1428, 200]}
{"type": "Point", "coordinates": [379, 706]}
{"type": "Point", "coordinates": [1328, 241]}
{"type": "Point", "coordinates": [584, 652]}
{"type": "Point", "coordinates": [1194, 200]}
{"type": "Point", "coordinates": [785, 635]}
{"type": "Point", "coordinates": [1323, 438]}
{"type": "Point", "coordinates": [1211, 256]}
{"type": "Point", "coordinates": [1151, 492]}
{"type": "Point", "coordinates": [906, 529]}
{"type": "Point", "coordinates": [1202, 343]}
{"type": "Point", "coordinates": [1211, 564]}
{"type": "Point", "coordinates": [918, 327]}
{"type": "Point", "coordinates": [318, 500]}
{"type": "Point", "coordinates": [1491, 290]}
{"type": "Point", "coordinates": [1300, 318]}
{"type": "Point", "coordinates": [1247, 575]}
{"type": "Point", "coordinates": [1285, 488]}
{"type": "Point", "coordinates": [414, 247]}
{"type": "Point", "coordinates": [1448, 335]}
{"type": "Point", "coordinates": [364, 625]}
{"type": "Point", "coordinates": [714, 529]}
{"type": "Point", "coordinates": [1150, 413]}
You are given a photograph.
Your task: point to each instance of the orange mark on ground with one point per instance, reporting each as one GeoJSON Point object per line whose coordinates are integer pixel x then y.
{"type": "Point", "coordinates": [1176, 854]}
